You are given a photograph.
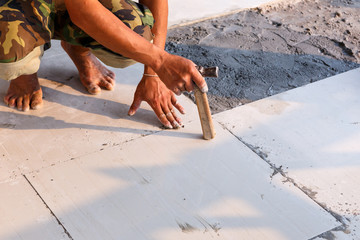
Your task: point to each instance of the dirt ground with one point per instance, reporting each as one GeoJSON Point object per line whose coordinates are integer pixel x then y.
{"type": "Point", "coordinates": [271, 49]}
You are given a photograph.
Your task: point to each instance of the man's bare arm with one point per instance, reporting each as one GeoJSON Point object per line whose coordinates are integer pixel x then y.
{"type": "Point", "coordinates": [97, 21]}
{"type": "Point", "coordinates": [159, 9]}
{"type": "Point", "coordinates": [91, 16]}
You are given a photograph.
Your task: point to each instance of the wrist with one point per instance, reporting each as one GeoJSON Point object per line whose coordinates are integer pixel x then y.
{"type": "Point", "coordinates": [149, 70]}
{"type": "Point", "coordinates": [150, 75]}
{"type": "Point", "coordinates": [158, 61]}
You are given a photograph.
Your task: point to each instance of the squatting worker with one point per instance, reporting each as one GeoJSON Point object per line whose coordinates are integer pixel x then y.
{"type": "Point", "coordinates": [118, 32]}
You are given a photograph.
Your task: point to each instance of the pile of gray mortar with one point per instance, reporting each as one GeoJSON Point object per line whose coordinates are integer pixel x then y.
{"type": "Point", "coordinates": [268, 50]}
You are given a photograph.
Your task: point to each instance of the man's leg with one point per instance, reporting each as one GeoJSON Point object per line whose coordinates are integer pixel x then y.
{"type": "Point", "coordinates": [93, 75]}
{"type": "Point", "coordinates": [80, 47]}
{"type": "Point", "coordinates": [22, 37]}
{"type": "Point", "coordinates": [24, 91]}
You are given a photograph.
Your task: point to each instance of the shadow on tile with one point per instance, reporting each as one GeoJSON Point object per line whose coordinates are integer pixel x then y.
{"type": "Point", "coordinates": [31, 122]}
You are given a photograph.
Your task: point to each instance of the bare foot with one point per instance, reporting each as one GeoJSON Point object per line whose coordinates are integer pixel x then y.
{"type": "Point", "coordinates": [93, 75]}
{"type": "Point", "coordinates": [24, 93]}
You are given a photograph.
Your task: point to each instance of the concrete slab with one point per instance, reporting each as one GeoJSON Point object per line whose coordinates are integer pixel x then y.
{"type": "Point", "coordinates": [174, 185]}
{"type": "Point", "coordinates": [72, 122]}
{"type": "Point", "coordinates": [313, 134]}
{"type": "Point", "coordinates": [185, 11]}
{"type": "Point", "coordinates": [24, 216]}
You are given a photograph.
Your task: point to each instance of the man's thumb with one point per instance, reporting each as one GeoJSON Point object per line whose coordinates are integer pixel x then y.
{"type": "Point", "coordinates": [134, 106]}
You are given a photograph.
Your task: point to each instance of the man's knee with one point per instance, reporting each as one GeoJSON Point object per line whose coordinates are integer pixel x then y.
{"type": "Point", "coordinates": [18, 53]}
{"type": "Point", "coordinates": [136, 16]}
{"type": "Point", "coordinates": [23, 27]}
{"type": "Point", "coordinates": [14, 41]}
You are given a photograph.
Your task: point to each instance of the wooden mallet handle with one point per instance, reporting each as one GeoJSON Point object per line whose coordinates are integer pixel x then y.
{"type": "Point", "coordinates": [203, 104]}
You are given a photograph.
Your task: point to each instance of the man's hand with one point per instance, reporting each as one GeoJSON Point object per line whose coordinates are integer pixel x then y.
{"type": "Point", "coordinates": [160, 98]}
{"type": "Point", "coordinates": [179, 74]}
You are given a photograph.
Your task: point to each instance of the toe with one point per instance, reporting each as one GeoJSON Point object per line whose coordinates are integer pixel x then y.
{"type": "Point", "coordinates": [107, 84]}
{"type": "Point", "coordinates": [26, 103]}
{"type": "Point", "coordinates": [93, 89]}
{"type": "Point", "coordinates": [36, 100]}
{"type": "Point", "coordinates": [7, 99]}
{"type": "Point", "coordinates": [111, 74]}
{"type": "Point", "coordinates": [111, 80]}
{"type": "Point", "coordinates": [11, 102]}
{"type": "Point", "coordinates": [19, 103]}
{"type": "Point", "coordinates": [36, 105]}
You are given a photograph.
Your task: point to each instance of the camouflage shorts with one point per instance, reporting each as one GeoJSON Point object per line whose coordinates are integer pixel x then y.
{"type": "Point", "coordinates": [25, 25]}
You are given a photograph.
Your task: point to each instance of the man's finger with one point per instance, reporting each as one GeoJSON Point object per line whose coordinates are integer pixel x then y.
{"type": "Point", "coordinates": [170, 117]}
{"type": "Point", "coordinates": [160, 114]}
{"type": "Point", "coordinates": [176, 104]}
{"type": "Point", "coordinates": [135, 105]}
{"type": "Point", "coordinates": [189, 86]}
{"type": "Point", "coordinates": [199, 81]}
{"type": "Point", "coordinates": [162, 117]}
{"type": "Point", "coordinates": [177, 119]}
{"type": "Point", "coordinates": [177, 91]}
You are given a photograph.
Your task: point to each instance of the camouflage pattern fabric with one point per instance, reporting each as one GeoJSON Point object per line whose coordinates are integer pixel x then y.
{"type": "Point", "coordinates": [26, 24]}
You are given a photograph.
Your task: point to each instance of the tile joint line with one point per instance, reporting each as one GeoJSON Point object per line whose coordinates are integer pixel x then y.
{"type": "Point", "coordinates": [47, 206]}
{"type": "Point", "coordinates": [343, 220]}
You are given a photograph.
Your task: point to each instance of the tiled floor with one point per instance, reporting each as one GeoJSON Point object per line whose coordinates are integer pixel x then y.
{"type": "Point", "coordinates": [284, 167]}
{"type": "Point", "coordinates": [178, 187]}
{"type": "Point", "coordinates": [103, 174]}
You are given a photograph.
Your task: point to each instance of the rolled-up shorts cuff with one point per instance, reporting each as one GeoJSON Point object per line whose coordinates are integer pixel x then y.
{"type": "Point", "coordinates": [26, 66]}
{"type": "Point", "coordinates": [112, 60]}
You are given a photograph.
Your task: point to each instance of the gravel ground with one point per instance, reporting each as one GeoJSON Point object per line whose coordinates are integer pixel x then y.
{"type": "Point", "coordinates": [272, 49]}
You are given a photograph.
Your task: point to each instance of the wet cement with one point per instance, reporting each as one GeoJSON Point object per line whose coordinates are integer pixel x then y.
{"type": "Point", "coordinates": [272, 49]}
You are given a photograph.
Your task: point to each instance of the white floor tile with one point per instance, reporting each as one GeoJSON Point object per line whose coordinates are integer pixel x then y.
{"type": "Point", "coordinates": [23, 215]}
{"type": "Point", "coordinates": [313, 132]}
{"type": "Point", "coordinates": [174, 185]}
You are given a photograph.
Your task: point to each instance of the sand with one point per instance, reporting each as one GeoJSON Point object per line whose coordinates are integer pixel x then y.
{"type": "Point", "coordinates": [272, 49]}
